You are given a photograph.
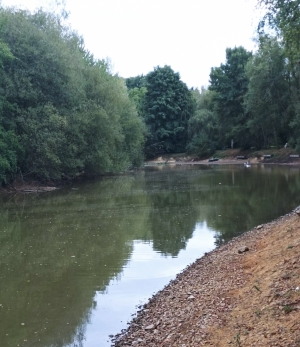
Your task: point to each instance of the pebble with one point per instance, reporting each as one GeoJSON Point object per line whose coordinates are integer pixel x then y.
{"type": "Point", "coordinates": [150, 327]}
{"type": "Point", "coordinates": [243, 249]}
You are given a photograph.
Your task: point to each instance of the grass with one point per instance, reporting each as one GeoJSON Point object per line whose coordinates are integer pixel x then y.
{"type": "Point", "coordinates": [288, 294]}
{"type": "Point", "coordinates": [237, 339]}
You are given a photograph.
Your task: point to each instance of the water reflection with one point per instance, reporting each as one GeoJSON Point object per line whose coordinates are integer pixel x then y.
{"type": "Point", "coordinates": [74, 263]}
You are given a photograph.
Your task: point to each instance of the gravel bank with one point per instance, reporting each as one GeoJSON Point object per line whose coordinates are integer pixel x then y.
{"type": "Point", "coordinates": [230, 297]}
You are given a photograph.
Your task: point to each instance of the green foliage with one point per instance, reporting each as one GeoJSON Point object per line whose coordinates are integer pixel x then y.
{"type": "Point", "coordinates": [203, 126]}
{"type": "Point", "coordinates": [44, 141]}
{"type": "Point", "coordinates": [267, 99]}
{"type": "Point", "coordinates": [136, 82]}
{"type": "Point", "coordinates": [230, 83]}
{"type": "Point", "coordinates": [287, 309]}
{"type": "Point", "coordinates": [5, 53]}
{"type": "Point", "coordinates": [283, 16]}
{"type": "Point", "coordinates": [204, 98]}
{"type": "Point", "coordinates": [9, 148]}
{"type": "Point", "coordinates": [203, 133]}
{"type": "Point", "coordinates": [115, 136]}
{"type": "Point", "coordinates": [137, 95]}
{"type": "Point", "coordinates": [168, 107]}
{"type": "Point", "coordinates": [66, 108]}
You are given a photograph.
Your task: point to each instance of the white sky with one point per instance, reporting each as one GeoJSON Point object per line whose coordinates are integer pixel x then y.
{"type": "Point", "coordinates": [189, 35]}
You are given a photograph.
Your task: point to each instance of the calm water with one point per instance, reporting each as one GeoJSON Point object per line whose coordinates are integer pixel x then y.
{"type": "Point", "coordinates": [76, 263]}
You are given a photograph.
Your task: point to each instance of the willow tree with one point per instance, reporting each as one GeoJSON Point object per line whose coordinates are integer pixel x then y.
{"type": "Point", "coordinates": [69, 113]}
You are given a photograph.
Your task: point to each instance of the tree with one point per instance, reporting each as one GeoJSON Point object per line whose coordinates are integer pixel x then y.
{"type": "Point", "coordinates": [168, 107]}
{"type": "Point", "coordinates": [230, 83]}
{"type": "Point", "coordinates": [203, 133]}
{"type": "Point", "coordinates": [203, 126]}
{"type": "Point", "coordinates": [267, 99]}
{"type": "Point", "coordinates": [284, 17]}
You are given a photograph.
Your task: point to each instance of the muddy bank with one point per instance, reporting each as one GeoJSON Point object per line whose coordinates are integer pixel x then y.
{"type": "Point", "coordinates": [231, 296]}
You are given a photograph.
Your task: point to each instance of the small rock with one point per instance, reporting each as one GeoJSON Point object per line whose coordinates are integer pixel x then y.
{"type": "Point", "coordinates": [259, 227]}
{"type": "Point", "coordinates": [150, 327]}
{"type": "Point", "coordinates": [243, 249]}
{"type": "Point", "coordinates": [191, 297]}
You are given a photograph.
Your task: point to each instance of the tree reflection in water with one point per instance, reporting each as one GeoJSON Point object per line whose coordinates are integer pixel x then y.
{"type": "Point", "coordinates": [58, 249]}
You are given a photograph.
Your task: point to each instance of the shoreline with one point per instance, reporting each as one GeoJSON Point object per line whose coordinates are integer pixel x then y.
{"type": "Point", "coordinates": [33, 186]}
{"type": "Point", "coordinates": [230, 296]}
{"type": "Point", "coordinates": [223, 161]}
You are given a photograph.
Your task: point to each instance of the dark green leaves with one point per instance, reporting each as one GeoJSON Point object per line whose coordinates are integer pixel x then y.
{"type": "Point", "coordinates": [167, 109]}
{"type": "Point", "coordinates": [230, 83]}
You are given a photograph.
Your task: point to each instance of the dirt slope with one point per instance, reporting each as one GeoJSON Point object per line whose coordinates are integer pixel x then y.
{"type": "Point", "coordinates": [230, 299]}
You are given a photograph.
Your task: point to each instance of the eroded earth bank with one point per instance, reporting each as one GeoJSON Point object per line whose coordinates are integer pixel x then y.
{"type": "Point", "coordinates": [230, 297]}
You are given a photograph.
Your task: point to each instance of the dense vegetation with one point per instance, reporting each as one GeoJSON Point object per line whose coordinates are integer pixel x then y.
{"type": "Point", "coordinates": [166, 105]}
{"type": "Point", "coordinates": [254, 99]}
{"type": "Point", "coordinates": [63, 112]}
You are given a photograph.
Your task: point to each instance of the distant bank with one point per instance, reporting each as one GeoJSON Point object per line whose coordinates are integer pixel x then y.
{"type": "Point", "coordinates": [232, 156]}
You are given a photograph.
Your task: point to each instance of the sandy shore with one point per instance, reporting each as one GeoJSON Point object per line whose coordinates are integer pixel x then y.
{"type": "Point", "coordinates": [230, 297]}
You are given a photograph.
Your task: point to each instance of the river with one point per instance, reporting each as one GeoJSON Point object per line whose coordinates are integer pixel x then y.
{"type": "Point", "coordinates": [76, 264]}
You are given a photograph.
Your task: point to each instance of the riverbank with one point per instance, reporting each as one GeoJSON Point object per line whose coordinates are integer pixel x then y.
{"type": "Point", "coordinates": [231, 296]}
{"type": "Point", "coordinates": [285, 156]}
{"type": "Point", "coordinates": [228, 157]}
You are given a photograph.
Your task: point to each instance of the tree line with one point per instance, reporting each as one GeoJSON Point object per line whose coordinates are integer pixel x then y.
{"type": "Point", "coordinates": [63, 112]}
{"type": "Point", "coordinates": [252, 100]}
